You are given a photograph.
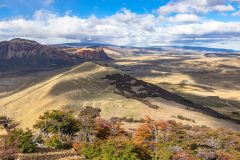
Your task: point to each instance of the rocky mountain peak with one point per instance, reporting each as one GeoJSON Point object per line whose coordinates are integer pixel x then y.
{"type": "Point", "coordinates": [20, 40]}
{"type": "Point", "coordinates": [22, 52]}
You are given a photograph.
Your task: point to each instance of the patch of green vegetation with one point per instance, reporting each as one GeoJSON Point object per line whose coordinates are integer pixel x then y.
{"type": "Point", "coordinates": [57, 122]}
{"type": "Point", "coordinates": [99, 139]}
{"type": "Point", "coordinates": [120, 148]}
{"type": "Point", "coordinates": [24, 140]}
{"type": "Point", "coordinates": [128, 120]}
{"type": "Point", "coordinates": [184, 118]}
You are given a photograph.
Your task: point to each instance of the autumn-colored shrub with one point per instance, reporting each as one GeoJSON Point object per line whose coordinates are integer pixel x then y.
{"type": "Point", "coordinates": [183, 156]}
{"type": "Point", "coordinates": [105, 129]}
{"type": "Point", "coordinates": [76, 146]}
{"type": "Point", "coordinates": [168, 139]}
{"type": "Point", "coordinates": [8, 149]}
{"type": "Point", "coordinates": [223, 155]}
{"type": "Point", "coordinates": [100, 139]}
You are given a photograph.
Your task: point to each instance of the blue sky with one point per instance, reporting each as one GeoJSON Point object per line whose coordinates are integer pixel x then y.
{"type": "Point", "coordinates": [81, 8]}
{"type": "Point", "coordinates": [210, 23]}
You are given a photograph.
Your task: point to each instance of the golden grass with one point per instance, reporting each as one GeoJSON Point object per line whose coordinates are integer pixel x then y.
{"type": "Point", "coordinates": [84, 85]}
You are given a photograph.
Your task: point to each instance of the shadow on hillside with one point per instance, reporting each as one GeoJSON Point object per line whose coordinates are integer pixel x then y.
{"type": "Point", "coordinates": [231, 107]}
{"type": "Point", "coordinates": [204, 76]}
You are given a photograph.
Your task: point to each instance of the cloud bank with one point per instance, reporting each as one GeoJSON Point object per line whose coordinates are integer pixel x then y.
{"type": "Point", "coordinates": [177, 23]}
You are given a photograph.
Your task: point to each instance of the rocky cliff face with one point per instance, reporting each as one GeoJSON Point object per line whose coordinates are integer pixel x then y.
{"type": "Point", "coordinates": [89, 53]}
{"type": "Point", "coordinates": [25, 52]}
{"type": "Point", "coordinates": [21, 52]}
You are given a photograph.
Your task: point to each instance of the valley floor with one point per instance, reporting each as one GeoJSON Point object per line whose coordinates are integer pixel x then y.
{"type": "Point", "coordinates": [211, 81]}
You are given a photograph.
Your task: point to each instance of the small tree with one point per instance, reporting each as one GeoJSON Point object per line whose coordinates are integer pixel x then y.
{"type": "Point", "coordinates": [149, 135]}
{"type": "Point", "coordinates": [87, 119]}
{"type": "Point", "coordinates": [23, 140]}
{"type": "Point", "coordinates": [105, 129]}
{"type": "Point", "coordinates": [8, 124]}
{"type": "Point", "coordinates": [57, 122]}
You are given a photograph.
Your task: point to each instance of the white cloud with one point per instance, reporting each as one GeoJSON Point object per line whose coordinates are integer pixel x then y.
{"type": "Point", "coordinates": [199, 6]}
{"type": "Point", "coordinates": [185, 18]}
{"type": "Point", "coordinates": [47, 2]}
{"type": "Point", "coordinates": [236, 13]}
{"type": "Point", "coordinates": [223, 8]}
{"type": "Point", "coordinates": [122, 28]}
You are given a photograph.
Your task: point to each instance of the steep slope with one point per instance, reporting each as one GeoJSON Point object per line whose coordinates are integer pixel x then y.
{"type": "Point", "coordinates": [90, 84]}
{"type": "Point", "coordinates": [20, 52]}
{"type": "Point", "coordinates": [96, 53]}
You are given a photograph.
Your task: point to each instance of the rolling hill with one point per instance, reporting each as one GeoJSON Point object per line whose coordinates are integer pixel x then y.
{"type": "Point", "coordinates": [94, 85]}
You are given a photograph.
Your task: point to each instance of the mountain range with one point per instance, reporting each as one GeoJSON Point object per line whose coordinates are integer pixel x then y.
{"type": "Point", "coordinates": [185, 48]}
{"type": "Point", "coordinates": [21, 52]}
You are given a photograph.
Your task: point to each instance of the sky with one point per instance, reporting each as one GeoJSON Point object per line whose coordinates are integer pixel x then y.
{"type": "Point", "coordinates": [205, 23]}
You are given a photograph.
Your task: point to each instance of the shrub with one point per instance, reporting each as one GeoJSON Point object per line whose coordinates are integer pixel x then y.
{"type": "Point", "coordinates": [57, 122]}
{"type": "Point", "coordinates": [222, 155]}
{"type": "Point", "coordinates": [184, 118]}
{"type": "Point", "coordinates": [119, 148]}
{"type": "Point", "coordinates": [7, 123]}
{"type": "Point", "coordinates": [24, 140]}
{"type": "Point", "coordinates": [76, 145]}
{"type": "Point", "coordinates": [7, 150]}
{"type": "Point", "coordinates": [90, 151]}
{"type": "Point", "coordinates": [54, 142]}
{"type": "Point", "coordinates": [183, 156]}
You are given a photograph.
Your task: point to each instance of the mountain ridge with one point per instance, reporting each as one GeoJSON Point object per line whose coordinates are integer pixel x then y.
{"type": "Point", "coordinates": [22, 52]}
{"type": "Point", "coordinates": [194, 48]}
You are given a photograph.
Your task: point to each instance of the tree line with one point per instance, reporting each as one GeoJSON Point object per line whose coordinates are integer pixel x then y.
{"type": "Point", "coordinates": [96, 138]}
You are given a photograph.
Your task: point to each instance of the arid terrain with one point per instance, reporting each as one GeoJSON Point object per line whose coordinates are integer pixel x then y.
{"type": "Point", "coordinates": [120, 80]}
{"type": "Point", "coordinates": [209, 81]}
{"type": "Point", "coordinates": [128, 88]}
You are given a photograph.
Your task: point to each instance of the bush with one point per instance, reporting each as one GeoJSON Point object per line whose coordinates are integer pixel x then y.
{"type": "Point", "coordinates": [90, 151]}
{"type": "Point", "coordinates": [119, 148]}
{"type": "Point", "coordinates": [54, 142]}
{"type": "Point", "coordinates": [24, 140]}
{"type": "Point", "coordinates": [8, 149]}
{"type": "Point", "coordinates": [57, 122]}
{"type": "Point", "coordinates": [76, 146]}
